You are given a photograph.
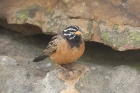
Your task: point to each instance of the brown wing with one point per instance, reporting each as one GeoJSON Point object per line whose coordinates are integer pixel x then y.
{"type": "Point", "coordinates": [50, 49]}
{"type": "Point", "coordinates": [52, 46]}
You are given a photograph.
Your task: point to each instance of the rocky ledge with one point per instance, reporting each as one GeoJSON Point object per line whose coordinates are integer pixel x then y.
{"type": "Point", "coordinates": [99, 79]}
{"type": "Point", "coordinates": [104, 70]}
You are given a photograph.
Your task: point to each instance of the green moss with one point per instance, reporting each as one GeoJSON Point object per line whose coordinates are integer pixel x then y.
{"type": "Point", "coordinates": [126, 38]}
{"type": "Point", "coordinates": [30, 11]}
{"type": "Point", "coordinates": [100, 22]}
{"type": "Point", "coordinates": [137, 66]}
{"type": "Point", "coordinates": [23, 14]}
{"type": "Point", "coordinates": [126, 29]}
{"type": "Point", "coordinates": [90, 24]}
{"type": "Point", "coordinates": [115, 27]}
{"type": "Point", "coordinates": [33, 6]}
{"type": "Point", "coordinates": [133, 34]}
{"type": "Point", "coordinates": [105, 36]}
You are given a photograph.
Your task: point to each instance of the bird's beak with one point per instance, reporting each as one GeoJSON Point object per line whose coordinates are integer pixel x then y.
{"type": "Point", "coordinates": [78, 32]}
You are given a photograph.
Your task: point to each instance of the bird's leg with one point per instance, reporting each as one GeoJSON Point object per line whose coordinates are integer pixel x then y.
{"type": "Point", "coordinates": [65, 70]}
{"type": "Point", "coordinates": [71, 67]}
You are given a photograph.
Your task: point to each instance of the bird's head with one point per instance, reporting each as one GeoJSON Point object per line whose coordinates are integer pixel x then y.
{"type": "Point", "coordinates": [73, 35]}
{"type": "Point", "coordinates": [72, 32]}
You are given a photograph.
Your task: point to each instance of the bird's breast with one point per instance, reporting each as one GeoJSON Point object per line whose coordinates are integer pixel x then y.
{"type": "Point", "coordinates": [65, 54]}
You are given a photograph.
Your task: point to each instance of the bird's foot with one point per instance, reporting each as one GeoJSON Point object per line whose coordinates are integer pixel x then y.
{"type": "Point", "coordinates": [71, 74]}
{"type": "Point", "coordinates": [74, 72]}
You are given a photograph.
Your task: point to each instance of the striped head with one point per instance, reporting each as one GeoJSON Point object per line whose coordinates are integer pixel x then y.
{"type": "Point", "coordinates": [73, 35]}
{"type": "Point", "coordinates": [72, 32]}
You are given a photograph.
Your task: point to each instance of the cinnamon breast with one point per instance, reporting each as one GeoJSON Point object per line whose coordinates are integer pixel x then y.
{"type": "Point", "coordinates": [65, 54]}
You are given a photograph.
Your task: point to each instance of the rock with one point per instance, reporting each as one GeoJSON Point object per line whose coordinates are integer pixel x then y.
{"type": "Point", "coordinates": [101, 70]}
{"type": "Point", "coordinates": [116, 80]}
{"type": "Point", "coordinates": [99, 80]}
{"type": "Point", "coordinates": [124, 79]}
{"type": "Point", "coordinates": [113, 23]}
{"type": "Point", "coordinates": [14, 78]}
{"type": "Point", "coordinates": [21, 48]}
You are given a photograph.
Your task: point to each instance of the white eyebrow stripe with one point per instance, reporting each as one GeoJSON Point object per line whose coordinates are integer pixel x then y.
{"type": "Point", "coordinates": [69, 29]}
{"type": "Point", "coordinates": [67, 34]}
{"type": "Point", "coordinates": [71, 33]}
{"type": "Point", "coordinates": [72, 29]}
{"type": "Point", "coordinates": [65, 30]}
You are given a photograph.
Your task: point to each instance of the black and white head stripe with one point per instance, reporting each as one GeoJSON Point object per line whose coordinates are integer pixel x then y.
{"type": "Point", "coordinates": [69, 32]}
{"type": "Point", "coordinates": [72, 35]}
{"type": "Point", "coordinates": [72, 28]}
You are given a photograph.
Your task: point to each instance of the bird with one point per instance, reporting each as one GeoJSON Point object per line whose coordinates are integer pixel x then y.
{"type": "Point", "coordinates": [64, 48]}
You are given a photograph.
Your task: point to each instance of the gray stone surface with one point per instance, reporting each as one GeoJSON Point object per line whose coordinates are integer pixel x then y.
{"type": "Point", "coordinates": [100, 79]}
{"type": "Point", "coordinates": [110, 71]}
{"type": "Point", "coordinates": [121, 79]}
{"type": "Point", "coordinates": [52, 84]}
{"type": "Point", "coordinates": [14, 78]}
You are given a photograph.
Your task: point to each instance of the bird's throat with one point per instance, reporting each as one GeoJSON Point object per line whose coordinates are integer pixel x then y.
{"type": "Point", "coordinates": [75, 42]}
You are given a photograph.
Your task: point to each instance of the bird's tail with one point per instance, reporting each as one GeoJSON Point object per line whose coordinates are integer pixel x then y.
{"type": "Point", "coordinates": [39, 58]}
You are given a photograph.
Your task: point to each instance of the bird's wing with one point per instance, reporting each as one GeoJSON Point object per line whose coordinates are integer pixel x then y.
{"type": "Point", "coordinates": [52, 46]}
{"type": "Point", "coordinates": [50, 49]}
